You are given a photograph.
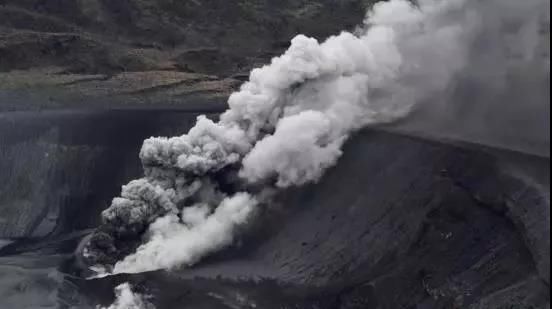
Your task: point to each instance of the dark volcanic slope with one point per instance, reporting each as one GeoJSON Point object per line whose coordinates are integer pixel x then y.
{"type": "Point", "coordinates": [398, 223]}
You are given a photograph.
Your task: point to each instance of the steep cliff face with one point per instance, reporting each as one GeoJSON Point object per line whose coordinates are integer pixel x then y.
{"type": "Point", "coordinates": [60, 169]}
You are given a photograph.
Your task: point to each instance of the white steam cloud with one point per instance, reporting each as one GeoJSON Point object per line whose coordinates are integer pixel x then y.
{"type": "Point", "coordinates": [285, 127]}
{"type": "Point", "coordinates": [127, 299]}
{"type": "Point", "coordinates": [175, 241]}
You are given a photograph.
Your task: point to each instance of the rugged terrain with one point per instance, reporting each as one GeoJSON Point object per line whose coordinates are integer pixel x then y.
{"type": "Point", "coordinates": [142, 52]}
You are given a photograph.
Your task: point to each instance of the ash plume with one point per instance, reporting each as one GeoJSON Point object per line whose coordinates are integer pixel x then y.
{"type": "Point", "coordinates": [501, 98]}
{"type": "Point", "coordinates": [127, 299]}
{"type": "Point", "coordinates": [284, 128]}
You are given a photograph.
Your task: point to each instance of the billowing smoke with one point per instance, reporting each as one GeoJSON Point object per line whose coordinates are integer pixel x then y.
{"type": "Point", "coordinates": [127, 299]}
{"type": "Point", "coordinates": [502, 97]}
{"type": "Point", "coordinates": [283, 128]}
{"type": "Point", "coordinates": [185, 239]}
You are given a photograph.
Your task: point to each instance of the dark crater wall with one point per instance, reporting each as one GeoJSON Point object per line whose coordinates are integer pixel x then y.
{"type": "Point", "coordinates": [398, 223]}
{"type": "Point", "coordinates": [59, 169]}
